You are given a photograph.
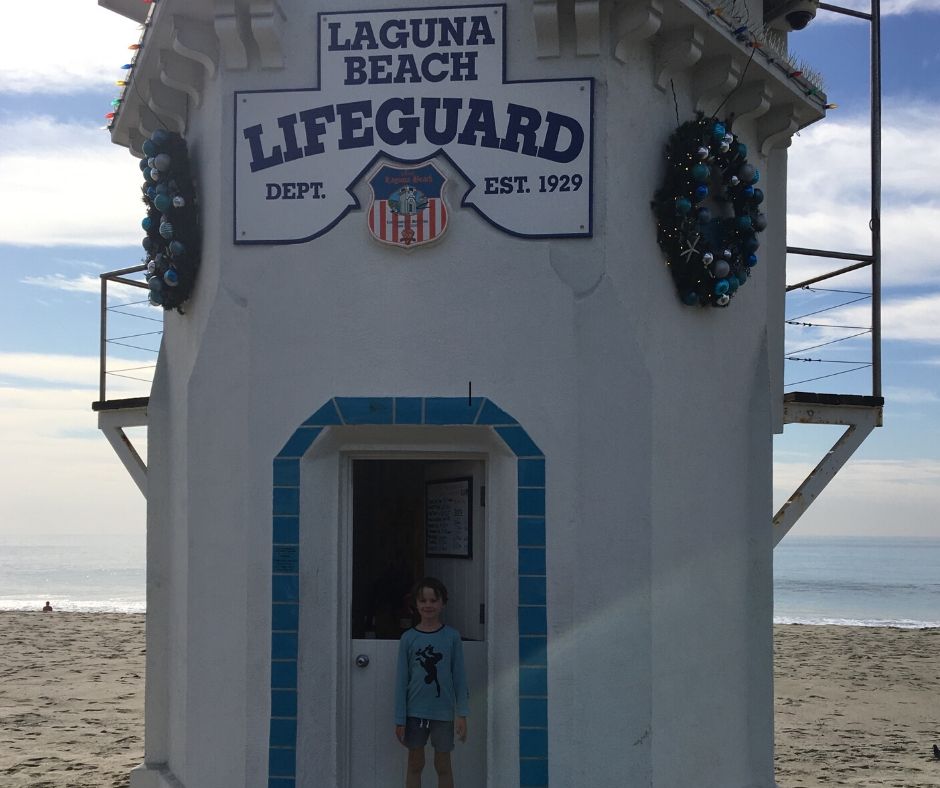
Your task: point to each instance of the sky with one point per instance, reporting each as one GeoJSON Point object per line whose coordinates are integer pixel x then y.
{"type": "Point", "coordinates": [69, 210]}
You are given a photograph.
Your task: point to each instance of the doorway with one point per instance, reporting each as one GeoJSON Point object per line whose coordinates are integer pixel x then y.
{"type": "Point", "coordinates": [413, 518]}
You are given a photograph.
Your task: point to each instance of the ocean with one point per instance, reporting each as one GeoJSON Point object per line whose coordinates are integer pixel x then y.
{"type": "Point", "coordinates": [88, 573]}
{"type": "Point", "coordinates": [871, 582]}
{"type": "Point", "coordinates": [847, 581]}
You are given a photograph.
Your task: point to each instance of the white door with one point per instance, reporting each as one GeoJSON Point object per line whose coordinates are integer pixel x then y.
{"type": "Point", "coordinates": [390, 500]}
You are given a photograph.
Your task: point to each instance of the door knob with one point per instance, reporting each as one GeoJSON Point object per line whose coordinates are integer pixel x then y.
{"type": "Point", "coordinates": [362, 661]}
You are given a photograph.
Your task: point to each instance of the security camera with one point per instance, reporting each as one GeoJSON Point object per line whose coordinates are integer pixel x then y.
{"type": "Point", "coordinates": [787, 15]}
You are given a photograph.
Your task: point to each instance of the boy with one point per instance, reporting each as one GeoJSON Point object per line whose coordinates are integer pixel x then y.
{"type": "Point", "coordinates": [430, 686]}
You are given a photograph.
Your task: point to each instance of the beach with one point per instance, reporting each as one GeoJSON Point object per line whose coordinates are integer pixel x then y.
{"type": "Point", "coordinates": [71, 699]}
{"type": "Point", "coordinates": [855, 706]}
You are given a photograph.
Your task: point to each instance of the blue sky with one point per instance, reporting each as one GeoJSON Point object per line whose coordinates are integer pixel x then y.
{"type": "Point", "coordinates": [69, 210]}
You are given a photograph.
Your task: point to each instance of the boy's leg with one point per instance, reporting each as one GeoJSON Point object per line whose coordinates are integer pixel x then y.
{"type": "Point", "coordinates": [415, 767]}
{"type": "Point", "coordinates": [445, 773]}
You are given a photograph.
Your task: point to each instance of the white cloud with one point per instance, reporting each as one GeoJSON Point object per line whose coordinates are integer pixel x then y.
{"type": "Point", "coordinates": [78, 284]}
{"type": "Point", "coordinates": [75, 45]}
{"type": "Point", "coordinates": [868, 498]}
{"type": "Point", "coordinates": [67, 184]}
{"type": "Point", "coordinates": [828, 195]}
{"type": "Point", "coordinates": [59, 474]}
{"type": "Point", "coordinates": [888, 8]}
{"type": "Point", "coordinates": [78, 373]}
{"type": "Point", "coordinates": [911, 319]}
{"type": "Point", "coordinates": [910, 395]}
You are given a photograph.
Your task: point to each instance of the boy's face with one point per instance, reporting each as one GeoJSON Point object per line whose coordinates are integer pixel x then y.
{"type": "Point", "coordinates": [429, 604]}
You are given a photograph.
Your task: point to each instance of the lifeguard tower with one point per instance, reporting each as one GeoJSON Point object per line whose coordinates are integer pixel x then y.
{"type": "Point", "coordinates": [429, 330]}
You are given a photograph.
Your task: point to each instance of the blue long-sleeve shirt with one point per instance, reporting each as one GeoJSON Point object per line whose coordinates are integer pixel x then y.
{"type": "Point", "coordinates": [431, 683]}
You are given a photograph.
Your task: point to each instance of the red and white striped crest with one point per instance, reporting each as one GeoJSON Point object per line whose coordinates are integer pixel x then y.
{"type": "Point", "coordinates": [408, 207]}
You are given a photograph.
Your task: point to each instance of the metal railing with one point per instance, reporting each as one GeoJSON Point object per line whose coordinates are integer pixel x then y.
{"type": "Point", "coordinates": [872, 260]}
{"type": "Point", "coordinates": [120, 277]}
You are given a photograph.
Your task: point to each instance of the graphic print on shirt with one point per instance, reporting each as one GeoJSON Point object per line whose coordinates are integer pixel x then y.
{"type": "Point", "coordinates": [428, 658]}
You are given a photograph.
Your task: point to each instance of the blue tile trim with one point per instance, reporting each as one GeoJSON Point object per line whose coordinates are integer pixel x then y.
{"type": "Point", "coordinates": [287, 473]}
{"type": "Point", "coordinates": [533, 650]}
{"type": "Point", "coordinates": [531, 501]}
{"type": "Point", "coordinates": [532, 591]}
{"type": "Point", "coordinates": [284, 675]}
{"type": "Point", "coordinates": [283, 733]}
{"type": "Point", "coordinates": [287, 530]}
{"type": "Point", "coordinates": [531, 473]}
{"type": "Point", "coordinates": [451, 410]}
{"type": "Point", "coordinates": [492, 415]}
{"type": "Point", "coordinates": [284, 618]}
{"type": "Point", "coordinates": [518, 440]}
{"type": "Point", "coordinates": [286, 500]}
{"type": "Point", "coordinates": [533, 772]}
{"type": "Point", "coordinates": [327, 416]}
{"type": "Point", "coordinates": [285, 578]}
{"type": "Point", "coordinates": [285, 559]}
{"type": "Point", "coordinates": [409, 410]}
{"type": "Point", "coordinates": [283, 646]}
{"type": "Point", "coordinates": [533, 682]}
{"type": "Point", "coordinates": [282, 762]}
{"type": "Point", "coordinates": [533, 712]}
{"type": "Point", "coordinates": [285, 588]}
{"type": "Point", "coordinates": [532, 532]}
{"type": "Point", "coordinates": [531, 560]}
{"type": "Point", "coordinates": [533, 742]}
{"type": "Point", "coordinates": [533, 621]}
{"type": "Point", "coordinates": [283, 703]}
{"type": "Point", "coordinates": [299, 442]}
{"type": "Point", "coordinates": [365, 410]}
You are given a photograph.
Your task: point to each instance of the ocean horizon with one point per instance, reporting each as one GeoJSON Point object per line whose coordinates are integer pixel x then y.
{"type": "Point", "coordinates": [846, 581]}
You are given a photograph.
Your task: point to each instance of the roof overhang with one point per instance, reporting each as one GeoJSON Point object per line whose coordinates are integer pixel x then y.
{"type": "Point", "coordinates": [132, 9]}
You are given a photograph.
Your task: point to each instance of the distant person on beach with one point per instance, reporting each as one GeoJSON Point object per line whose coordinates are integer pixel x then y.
{"type": "Point", "coordinates": [431, 686]}
{"type": "Point", "coordinates": [47, 608]}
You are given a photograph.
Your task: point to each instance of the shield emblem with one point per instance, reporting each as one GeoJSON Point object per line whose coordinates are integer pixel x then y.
{"type": "Point", "coordinates": [407, 208]}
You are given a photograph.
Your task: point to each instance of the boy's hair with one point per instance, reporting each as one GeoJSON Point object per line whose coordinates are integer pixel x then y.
{"type": "Point", "coordinates": [439, 589]}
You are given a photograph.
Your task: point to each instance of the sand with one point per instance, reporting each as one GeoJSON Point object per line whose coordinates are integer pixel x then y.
{"type": "Point", "coordinates": [857, 706]}
{"type": "Point", "coordinates": [71, 699]}
{"type": "Point", "coordinates": [854, 706]}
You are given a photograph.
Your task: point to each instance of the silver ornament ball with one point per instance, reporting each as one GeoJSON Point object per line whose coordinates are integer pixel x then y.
{"type": "Point", "coordinates": [723, 300]}
{"type": "Point", "coordinates": [721, 269]}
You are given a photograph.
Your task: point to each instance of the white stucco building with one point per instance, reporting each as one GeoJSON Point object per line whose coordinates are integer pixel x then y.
{"type": "Point", "coordinates": [328, 390]}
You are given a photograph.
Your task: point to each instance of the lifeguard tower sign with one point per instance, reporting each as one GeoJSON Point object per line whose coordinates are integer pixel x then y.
{"type": "Point", "coordinates": [405, 87]}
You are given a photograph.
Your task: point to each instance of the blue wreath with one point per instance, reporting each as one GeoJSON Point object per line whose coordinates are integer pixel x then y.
{"type": "Point", "coordinates": [709, 257]}
{"type": "Point", "coordinates": [172, 243]}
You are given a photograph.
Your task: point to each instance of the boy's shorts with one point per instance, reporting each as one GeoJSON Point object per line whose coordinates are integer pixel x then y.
{"type": "Point", "coordinates": [417, 732]}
